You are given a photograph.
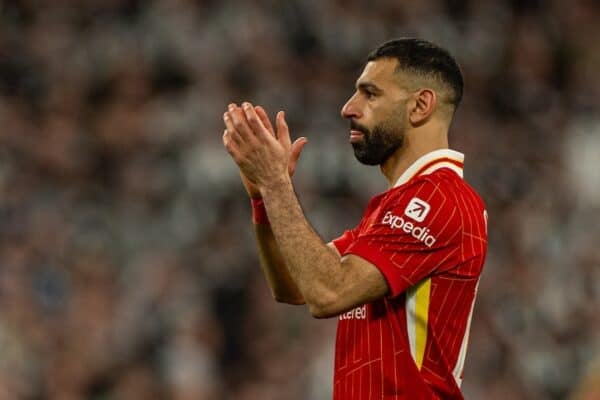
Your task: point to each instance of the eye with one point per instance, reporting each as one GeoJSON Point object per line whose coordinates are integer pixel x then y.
{"type": "Point", "coordinates": [369, 95]}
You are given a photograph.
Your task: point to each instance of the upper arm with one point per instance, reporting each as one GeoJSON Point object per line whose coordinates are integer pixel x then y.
{"type": "Point", "coordinates": [363, 283]}
{"type": "Point", "coordinates": [360, 282]}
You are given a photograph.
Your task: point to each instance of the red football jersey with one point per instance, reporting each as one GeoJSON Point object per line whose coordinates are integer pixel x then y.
{"type": "Point", "coordinates": [428, 237]}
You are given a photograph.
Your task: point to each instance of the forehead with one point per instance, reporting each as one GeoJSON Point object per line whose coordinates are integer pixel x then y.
{"type": "Point", "coordinates": [380, 72]}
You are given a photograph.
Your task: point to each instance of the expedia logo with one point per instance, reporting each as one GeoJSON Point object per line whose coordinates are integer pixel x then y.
{"type": "Point", "coordinates": [417, 209]}
{"type": "Point", "coordinates": [418, 232]}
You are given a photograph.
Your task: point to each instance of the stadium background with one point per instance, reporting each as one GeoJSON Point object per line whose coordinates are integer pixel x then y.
{"type": "Point", "coordinates": [127, 262]}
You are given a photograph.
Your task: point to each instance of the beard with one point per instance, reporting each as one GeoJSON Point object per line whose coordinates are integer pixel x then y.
{"type": "Point", "coordinates": [377, 144]}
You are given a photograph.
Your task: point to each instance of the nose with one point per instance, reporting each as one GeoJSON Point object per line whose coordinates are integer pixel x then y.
{"type": "Point", "coordinates": [350, 109]}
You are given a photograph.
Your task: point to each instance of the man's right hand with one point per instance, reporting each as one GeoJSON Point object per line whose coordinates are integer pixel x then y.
{"type": "Point", "coordinates": [296, 149]}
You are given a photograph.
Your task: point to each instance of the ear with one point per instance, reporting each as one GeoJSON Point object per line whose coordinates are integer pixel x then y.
{"type": "Point", "coordinates": [423, 106]}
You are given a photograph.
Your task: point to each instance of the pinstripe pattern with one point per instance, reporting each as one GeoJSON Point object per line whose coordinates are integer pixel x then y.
{"type": "Point", "coordinates": [412, 344]}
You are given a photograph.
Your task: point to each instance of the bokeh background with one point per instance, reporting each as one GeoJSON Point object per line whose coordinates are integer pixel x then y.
{"type": "Point", "coordinates": [127, 262]}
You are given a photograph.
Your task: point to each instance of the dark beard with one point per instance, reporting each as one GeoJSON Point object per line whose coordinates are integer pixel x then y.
{"type": "Point", "coordinates": [376, 145]}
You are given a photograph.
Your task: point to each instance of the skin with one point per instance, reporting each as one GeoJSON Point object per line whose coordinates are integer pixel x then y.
{"type": "Point", "coordinates": [314, 272]}
{"type": "Point", "coordinates": [283, 288]}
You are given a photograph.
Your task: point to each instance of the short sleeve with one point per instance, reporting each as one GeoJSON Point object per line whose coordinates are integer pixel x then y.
{"type": "Point", "coordinates": [415, 233]}
{"type": "Point", "coordinates": [341, 243]}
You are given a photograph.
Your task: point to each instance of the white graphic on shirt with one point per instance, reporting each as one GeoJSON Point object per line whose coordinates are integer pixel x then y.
{"type": "Point", "coordinates": [358, 313]}
{"type": "Point", "coordinates": [417, 209]}
{"type": "Point", "coordinates": [418, 232]}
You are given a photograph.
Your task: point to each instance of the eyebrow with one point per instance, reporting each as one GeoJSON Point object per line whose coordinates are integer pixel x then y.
{"type": "Point", "coordinates": [368, 86]}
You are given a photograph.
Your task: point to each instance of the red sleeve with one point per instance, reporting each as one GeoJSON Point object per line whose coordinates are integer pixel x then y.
{"type": "Point", "coordinates": [342, 243]}
{"type": "Point", "coordinates": [414, 233]}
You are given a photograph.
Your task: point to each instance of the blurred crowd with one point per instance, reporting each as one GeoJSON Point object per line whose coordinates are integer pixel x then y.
{"type": "Point", "coordinates": [127, 261]}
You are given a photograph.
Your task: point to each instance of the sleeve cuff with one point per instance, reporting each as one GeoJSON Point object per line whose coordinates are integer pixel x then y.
{"type": "Point", "coordinates": [390, 271]}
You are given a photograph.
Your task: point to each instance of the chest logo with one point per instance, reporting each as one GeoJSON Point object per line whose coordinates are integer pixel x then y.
{"type": "Point", "coordinates": [417, 209]}
{"type": "Point", "coordinates": [418, 232]}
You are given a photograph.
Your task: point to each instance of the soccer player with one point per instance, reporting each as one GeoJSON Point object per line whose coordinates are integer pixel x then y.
{"type": "Point", "coordinates": [403, 281]}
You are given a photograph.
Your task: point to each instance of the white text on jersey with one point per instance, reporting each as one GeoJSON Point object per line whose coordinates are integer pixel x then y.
{"type": "Point", "coordinates": [357, 313]}
{"type": "Point", "coordinates": [418, 232]}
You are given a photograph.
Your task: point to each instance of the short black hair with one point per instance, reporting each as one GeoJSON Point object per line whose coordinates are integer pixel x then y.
{"type": "Point", "coordinates": [426, 59]}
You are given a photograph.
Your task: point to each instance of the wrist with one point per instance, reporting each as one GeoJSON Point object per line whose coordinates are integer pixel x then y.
{"type": "Point", "coordinates": [259, 212]}
{"type": "Point", "coordinates": [253, 192]}
{"type": "Point", "coordinates": [275, 185]}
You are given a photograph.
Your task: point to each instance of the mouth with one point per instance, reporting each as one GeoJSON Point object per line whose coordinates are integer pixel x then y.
{"type": "Point", "coordinates": [356, 136]}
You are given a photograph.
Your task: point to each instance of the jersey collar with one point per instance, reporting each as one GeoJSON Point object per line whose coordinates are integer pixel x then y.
{"type": "Point", "coordinates": [430, 162]}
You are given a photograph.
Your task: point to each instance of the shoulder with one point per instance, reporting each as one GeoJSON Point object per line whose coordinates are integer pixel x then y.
{"type": "Point", "coordinates": [438, 189]}
{"type": "Point", "coordinates": [422, 203]}
{"type": "Point", "coordinates": [459, 200]}
{"type": "Point", "coordinates": [442, 197]}
{"type": "Point", "coordinates": [449, 188]}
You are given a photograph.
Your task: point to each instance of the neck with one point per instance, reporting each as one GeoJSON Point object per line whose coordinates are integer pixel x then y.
{"type": "Point", "coordinates": [418, 142]}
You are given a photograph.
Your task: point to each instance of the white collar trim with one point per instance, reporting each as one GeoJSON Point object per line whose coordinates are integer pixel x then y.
{"type": "Point", "coordinates": [443, 158]}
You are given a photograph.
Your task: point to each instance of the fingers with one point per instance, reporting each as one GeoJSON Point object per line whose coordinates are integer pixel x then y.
{"type": "Point", "coordinates": [230, 130]}
{"type": "Point", "coordinates": [235, 120]}
{"type": "Point", "coordinates": [230, 145]}
{"type": "Point", "coordinates": [297, 147]}
{"type": "Point", "coordinates": [264, 118]}
{"type": "Point", "coordinates": [247, 126]}
{"type": "Point", "coordinates": [255, 123]}
{"type": "Point", "coordinates": [248, 122]}
{"type": "Point", "coordinates": [283, 132]}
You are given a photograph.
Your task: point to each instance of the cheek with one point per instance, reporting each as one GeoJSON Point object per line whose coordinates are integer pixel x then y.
{"type": "Point", "coordinates": [384, 116]}
{"type": "Point", "coordinates": [397, 115]}
{"type": "Point", "coordinates": [374, 113]}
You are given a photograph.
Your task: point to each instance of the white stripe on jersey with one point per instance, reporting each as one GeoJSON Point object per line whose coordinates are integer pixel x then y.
{"type": "Point", "coordinates": [460, 362]}
{"type": "Point", "coordinates": [444, 164]}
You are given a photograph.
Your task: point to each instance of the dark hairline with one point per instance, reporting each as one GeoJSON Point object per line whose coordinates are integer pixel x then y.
{"type": "Point", "coordinates": [439, 64]}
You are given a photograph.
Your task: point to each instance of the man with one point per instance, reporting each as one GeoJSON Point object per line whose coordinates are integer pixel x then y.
{"type": "Point", "coordinates": [403, 281]}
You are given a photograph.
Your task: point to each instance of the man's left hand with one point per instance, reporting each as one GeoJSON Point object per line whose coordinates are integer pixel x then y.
{"type": "Point", "coordinates": [262, 157]}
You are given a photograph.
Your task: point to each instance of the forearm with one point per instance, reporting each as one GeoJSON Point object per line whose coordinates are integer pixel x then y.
{"type": "Point", "coordinates": [314, 267]}
{"type": "Point", "coordinates": [274, 268]}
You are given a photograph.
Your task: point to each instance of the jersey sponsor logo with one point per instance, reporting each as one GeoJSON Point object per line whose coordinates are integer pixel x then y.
{"type": "Point", "coordinates": [357, 313]}
{"type": "Point", "coordinates": [418, 232]}
{"type": "Point", "coordinates": [417, 209]}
